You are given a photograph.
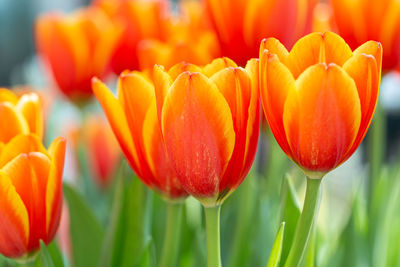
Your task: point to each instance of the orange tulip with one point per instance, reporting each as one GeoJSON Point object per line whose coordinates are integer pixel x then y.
{"type": "Point", "coordinates": [133, 119]}
{"type": "Point", "coordinates": [102, 148]}
{"type": "Point", "coordinates": [320, 98]}
{"type": "Point", "coordinates": [76, 47]}
{"type": "Point", "coordinates": [187, 40]}
{"type": "Point", "coordinates": [141, 19]}
{"type": "Point", "coordinates": [19, 115]}
{"type": "Point", "coordinates": [241, 25]}
{"type": "Point", "coordinates": [31, 193]}
{"type": "Point", "coordinates": [210, 124]}
{"type": "Point", "coordinates": [362, 20]}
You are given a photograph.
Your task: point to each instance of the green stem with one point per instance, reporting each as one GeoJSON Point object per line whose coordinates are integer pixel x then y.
{"type": "Point", "coordinates": [305, 224]}
{"type": "Point", "coordinates": [213, 236]}
{"type": "Point", "coordinates": [172, 235]}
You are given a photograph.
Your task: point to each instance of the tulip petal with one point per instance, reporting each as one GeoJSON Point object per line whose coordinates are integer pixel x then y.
{"type": "Point", "coordinates": [8, 96]}
{"type": "Point", "coordinates": [363, 69]}
{"type": "Point", "coordinates": [14, 220]}
{"type": "Point", "coordinates": [318, 48]}
{"type": "Point", "coordinates": [137, 93]}
{"type": "Point", "coordinates": [24, 143]}
{"type": "Point", "coordinates": [322, 117]}
{"type": "Point", "coordinates": [116, 117]}
{"type": "Point", "coordinates": [162, 83]}
{"type": "Point", "coordinates": [198, 132]}
{"type": "Point", "coordinates": [218, 64]}
{"type": "Point", "coordinates": [177, 69]}
{"type": "Point", "coordinates": [12, 122]}
{"type": "Point", "coordinates": [374, 49]}
{"type": "Point", "coordinates": [274, 46]}
{"type": "Point", "coordinates": [54, 187]}
{"type": "Point", "coordinates": [276, 81]}
{"type": "Point", "coordinates": [29, 174]}
{"type": "Point", "coordinates": [29, 105]}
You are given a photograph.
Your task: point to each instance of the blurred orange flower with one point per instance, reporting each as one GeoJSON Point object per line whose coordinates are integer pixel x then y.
{"type": "Point", "coordinates": [31, 193]}
{"type": "Point", "coordinates": [76, 47]}
{"type": "Point", "coordinates": [210, 124]}
{"type": "Point", "coordinates": [320, 98]}
{"type": "Point", "coordinates": [141, 19]}
{"type": "Point", "coordinates": [19, 115]}
{"type": "Point", "coordinates": [241, 25]}
{"type": "Point", "coordinates": [102, 148]}
{"type": "Point", "coordinates": [187, 40]}
{"type": "Point", "coordinates": [362, 20]}
{"type": "Point", "coordinates": [133, 119]}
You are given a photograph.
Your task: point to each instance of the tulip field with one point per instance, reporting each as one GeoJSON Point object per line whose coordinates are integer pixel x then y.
{"type": "Point", "coordinates": [192, 133]}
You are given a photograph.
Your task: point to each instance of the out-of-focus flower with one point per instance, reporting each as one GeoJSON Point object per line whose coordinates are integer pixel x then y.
{"type": "Point", "coordinates": [102, 148]}
{"type": "Point", "coordinates": [141, 19]}
{"type": "Point", "coordinates": [320, 98]}
{"type": "Point", "coordinates": [133, 119]}
{"type": "Point", "coordinates": [187, 39]}
{"type": "Point", "coordinates": [210, 124]}
{"type": "Point", "coordinates": [19, 115]}
{"type": "Point", "coordinates": [323, 20]}
{"type": "Point", "coordinates": [362, 20]}
{"type": "Point", "coordinates": [77, 47]}
{"type": "Point", "coordinates": [241, 25]}
{"type": "Point", "coordinates": [31, 193]}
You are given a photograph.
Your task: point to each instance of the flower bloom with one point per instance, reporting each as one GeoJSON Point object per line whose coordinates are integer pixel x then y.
{"type": "Point", "coordinates": [320, 98]}
{"type": "Point", "coordinates": [188, 39]}
{"type": "Point", "coordinates": [102, 149]}
{"type": "Point", "coordinates": [140, 19]}
{"type": "Point", "coordinates": [133, 119]}
{"type": "Point", "coordinates": [210, 124]}
{"type": "Point", "coordinates": [19, 115]}
{"type": "Point", "coordinates": [241, 25]}
{"type": "Point", "coordinates": [362, 20]}
{"type": "Point", "coordinates": [31, 193]}
{"type": "Point", "coordinates": [76, 47]}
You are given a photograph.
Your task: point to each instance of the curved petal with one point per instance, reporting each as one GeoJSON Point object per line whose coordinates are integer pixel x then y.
{"type": "Point", "coordinates": [54, 187]}
{"type": "Point", "coordinates": [274, 46]}
{"type": "Point", "coordinates": [12, 122]}
{"type": "Point", "coordinates": [24, 143]}
{"type": "Point", "coordinates": [8, 96]}
{"type": "Point", "coordinates": [29, 105]}
{"type": "Point", "coordinates": [363, 69]}
{"type": "Point", "coordinates": [322, 117]}
{"type": "Point", "coordinates": [162, 83]}
{"type": "Point", "coordinates": [14, 220]}
{"type": "Point", "coordinates": [276, 81]}
{"type": "Point", "coordinates": [198, 132]}
{"type": "Point", "coordinates": [318, 48]}
{"type": "Point", "coordinates": [374, 49]}
{"type": "Point", "coordinates": [116, 117]}
{"type": "Point", "coordinates": [177, 69]}
{"type": "Point", "coordinates": [218, 64]}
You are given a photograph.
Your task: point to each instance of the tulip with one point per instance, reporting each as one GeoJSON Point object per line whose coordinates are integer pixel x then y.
{"type": "Point", "coordinates": [102, 148]}
{"type": "Point", "coordinates": [19, 115]}
{"type": "Point", "coordinates": [362, 20]}
{"type": "Point", "coordinates": [76, 47]}
{"type": "Point", "coordinates": [31, 194]}
{"type": "Point", "coordinates": [140, 19]}
{"type": "Point", "coordinates": [241, 25]}
{"type": "Point", "coordinates": [319, 100]}
{"type": "Point", "coordinates": [210, 125]}
{"type": "Point", "coordinates": [188, 39]}
{"type": "Point", "coordinates": [133, 119]}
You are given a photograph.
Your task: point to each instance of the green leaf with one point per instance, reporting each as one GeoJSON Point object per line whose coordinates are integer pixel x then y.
{"type": "Point", "coordinates": [129, 231]}
{"type": "Point", "coordinates": [86, 233]}
{"type": "Point", "coordinates": [148, 258]}
{"type": "Point", "coordinates": [44, 259]}
{"type": "Point", "coordinates": [290, 214]}
{"type": "Point", "coordinates": [276, 251]}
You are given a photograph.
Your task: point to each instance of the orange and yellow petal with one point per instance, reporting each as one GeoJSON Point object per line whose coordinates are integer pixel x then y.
{"type": "Point", "coordinates": [12, 122]}
{"type": "Point", "coordinates": [29, 105]}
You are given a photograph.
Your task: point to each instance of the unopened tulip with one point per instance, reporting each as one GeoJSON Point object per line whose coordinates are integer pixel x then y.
{"type": "Point", "coordinates": [133, 119]}
{"type": "Point", "coordinates": [241, 25]}
{"type": "Point", "coordinates": [210, 121]}
{"type": "Point", "coordinates": [319, 98]}
{"type": "Point", "coordinates": [19, 115]}
{"type": "Point", "coordinates": [102, 149]}
{"type": "Point", "coordinates": [76, 47]}
{"type": "Point", "coordinates": [362, 20]}
{"type": "Point", "coordinates": [31, 194]}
